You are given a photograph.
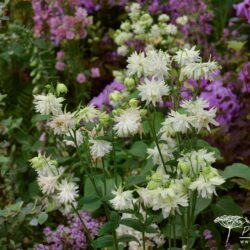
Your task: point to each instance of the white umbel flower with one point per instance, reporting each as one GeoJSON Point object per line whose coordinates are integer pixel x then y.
{"type": "Point", "coordinates": [48, 184]}
{"type": "Point", "coordinates": [128, 122]}
{"type": "Point", "coordinates": [68, 192]}
{"type": "Point", "coordinates": [136, 64]}
{"type": "Point", "coordinates": [186, 56]}
{"type": "Point", "coordinates": [99, 148]}
{"type": "Point", "coordinates": [122, 199]}
{"type": "Point", "coordinates": [153, 91]}
{"type": "Point", "coordinates": [199, 71]}
{"type": "Point", "coordinates": [157, 64]}
{"type": "Point", "coordinates": [48, 104]}
{"type": "Point", "coordinates": [62, 123]}
{"type": "Point", "coordinates": [206, 185]}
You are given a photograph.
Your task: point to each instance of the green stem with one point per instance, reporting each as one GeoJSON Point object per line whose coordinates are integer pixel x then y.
{"type": "Point", "coordinates": [104, 175]}
{"type": "Point", "coordinates": [143, 240]}
{"type": "Point", "coordinates": [152, 126]}
{"type": "Point", "coordinates": [114, 159]}
{"type": "Point", "coordinates": [89, 238]}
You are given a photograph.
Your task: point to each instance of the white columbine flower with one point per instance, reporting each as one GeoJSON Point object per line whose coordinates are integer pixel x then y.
{"type": "Point", "coordinates": [122, 199]}
{"type": "Point", "coordinates": [199, 71]}
{"type": "Point", "coordinates": [48, 184]}
{"type": "Point", "coordinates": [157, 64]}
{"type": "Point", "coordinates": [182, 20]}
{"type": "Point", "coordinates": [128, 122]}
{"type": "Point", "coordinates": [39, 161]}
{"type": "Point", "coordinates": [197, 160]}
{"type": "Point", "coordinates": [136, 64]}
{"type": "Point", "coordinates": [48, 104]}
{"type": "Point", "coordinates": [171, 29]}
{"type": "Point", "coordinates": [180, 122]}
{"type": "Point", "coordinates": [206, 183]}
{"type": "Point", "coordinates": [99, 148]}
{"type": "Point", "coordinates": [62, 123]}
{"type": "Point", "coordinates": [169, 201]}
{"type": "Point", "coordinates": [203, 117]}
{"type": "Point", "coordinates": [186, 56]}
{"type": "Point", "coordinates": [122, 50]}
{"type": "Point", "coordinates": [69, 140]}
{"type": "Point", "coordinates": [153, 91]}
{"type": "Point", "coordinates": [68, 192]}
{"type": "Point", "coordinates": [87, 114]}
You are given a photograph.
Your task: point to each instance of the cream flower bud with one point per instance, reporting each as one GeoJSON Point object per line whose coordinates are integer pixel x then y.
{"type": "Point", "coordinates": [61, 89]}
{"type": "Point", "coordinates": [129, 83]}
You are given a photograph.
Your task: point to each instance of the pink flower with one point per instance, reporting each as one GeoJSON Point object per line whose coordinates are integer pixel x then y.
{"type": "Point", "coordinates": [95, 72]}
{"type": "Point", "coordinates": [60, 66]}
{"type": "Point", "coordinates": [81, 78]}
{"type": "Point", "coordinates": [60, 55]}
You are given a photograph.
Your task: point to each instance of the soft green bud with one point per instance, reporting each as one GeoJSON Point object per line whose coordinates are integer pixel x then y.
{"type": "Point", "coordinates": [61, 88]}
{"type": "Point", "coordinates": [103, 118]}
{"type": "Point", "coordinates": [153, 185]}
{"type": "Point", "coordinates": [118, 75]}
{"type": "Point", "coordinates": [129, 83]}
{"type": "Point", "coordinates": [156, 177]}
{"type": "Point", "coordinates": [125, 26]}
{"type": "Point", "coordinates": [116, 112]}
{"type": "Point", "coordinates": [143, 112]}
{"type": "Point", "coordinates": [184, 167]}
{"type": "Point", "coordinates": [133, 103]}
{"type": "Point", "coordinates": [115, 96]}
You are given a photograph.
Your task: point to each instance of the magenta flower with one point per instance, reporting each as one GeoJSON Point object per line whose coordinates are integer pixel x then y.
{"type": "Point", "coordinates": [81, 78]}
{"type": "Point", "coordinates": [60, 66]}
{"type": "Point", "coordinates": [95, 72]}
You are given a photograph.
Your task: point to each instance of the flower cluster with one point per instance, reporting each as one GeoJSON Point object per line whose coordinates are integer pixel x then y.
{"type": "Point", "coordinates": [141, 31]}
{"type": "Point", "coordinates": [62, 25]}
{"type": "Point", "coordinates": [181, 169]}
{"type": "Point", "coordinates": [152, 239]}
{"type": "Point", "coordinates": [71, 236]}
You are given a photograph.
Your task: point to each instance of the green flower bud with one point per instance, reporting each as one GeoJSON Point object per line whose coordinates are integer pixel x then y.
{"type": "Point", "coordinates": [153, 185]}
{"type": "Point", "coordinates": [129, 83]}
{"type": "Point", "coordinates": [184, 167]}
{"type": "Point", "coordinates": [156, 177]}
{"type": "Point", "coordinates": [103, 118]}
{"type": "Point", "coordinates": [133, 103]}
{"type": "Point", "coordinates": [143, 112]}
{"type": "Point", "coordinates": [61, 88]}
{"type": "Point", "coordinates": [115, 96]}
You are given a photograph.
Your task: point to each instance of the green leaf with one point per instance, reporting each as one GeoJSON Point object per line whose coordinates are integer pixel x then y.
{"type": "Point", "coordinates": [139, 149]}
{"type": "Point", "coordinates": [201, 204]}
{"type": "Point", "coordinates": [104, 241]}
{"type": "Point", "coordinates": [135, 180]}
{"type": "Point", "coordinates": [39, 118]}
{"type": "Point", "coordinates": [128, 238]}
{"type": "Point", "coordinates": [236, 45]}
{"type": "Point", "coordinates": [242, 183]}
{"type": "Point", "coordinates": [226, 206]}
{"type": "Point", "coordinates": [15, 207]}
{"type": "Point", "coordinates": [107, 228]}
{"type": "Point", "coordinates": [42, 218]}
{"type": "Point", "coordinates": [237, 170]}
{"type": "Point", "coordinates": [135, 224]}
